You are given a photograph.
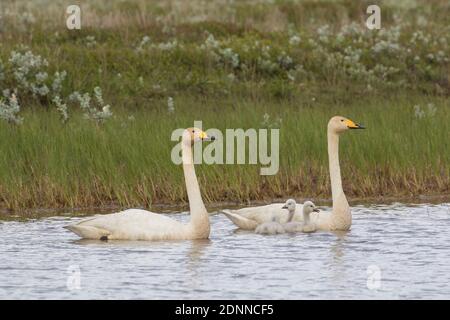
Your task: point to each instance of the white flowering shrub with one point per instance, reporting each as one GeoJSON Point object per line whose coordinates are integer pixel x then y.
{"type": "Point", "coordinates": [395, 56]}
{"type": "Point", "coordinates": [428, 111]}
{"type": "Point", "coordinates": [90, 41]}
{"type": "Point", "coordinates": [62, 108]}
{"type": "Point", "coordinates": [166, 46]}
{"type": "Point", "coordinates": [28, 72]}
{"type": "Point", "coordinates": [224, 56]}
{"type": "Point", "coordinates": [252, 55]}
{"type": "Point", "coordinates": [145, 40]}
{"type": "Point", "coordinates": [268, 123]}
{"type": "Point", "coordinates": [294, 40]}
{"type": "Point", "coordinates": [170, 105]}
{"type": "Point", "coordinates": [58, 81]}
{"type": "Point", "coordinates": [93, 109]}
{"type": "Point", "coordinates": [274, 46]}
{"type": "Point", "coordinates": [145, 43]}
{"type": "Point", "coordinates": [25, 75]}
{"type": "Point", "coordinates": [9, 110]}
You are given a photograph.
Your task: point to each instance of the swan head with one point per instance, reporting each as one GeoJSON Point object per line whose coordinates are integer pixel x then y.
{"type": "Point", "coordinates": [340, 124]}
{"type": "Point", "coordinates": [290, 205]}
{"type": "Point", "coordinates": [309, 207]}
{"type": "Point", "coordinates": [192, 135]}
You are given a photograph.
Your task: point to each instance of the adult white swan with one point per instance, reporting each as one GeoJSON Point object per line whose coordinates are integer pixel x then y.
{"type": "Point", "coordinates": [339, 219]}
{"type": "Point", "coordinates": [135, 224]}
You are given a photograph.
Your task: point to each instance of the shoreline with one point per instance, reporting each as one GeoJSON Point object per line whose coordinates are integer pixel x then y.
{"type": "Point", "coordinates": [37, 213]}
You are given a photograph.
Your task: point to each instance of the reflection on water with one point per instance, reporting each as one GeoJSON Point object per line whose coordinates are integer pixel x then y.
{"type": "Point", "coordinates": [408, 245]}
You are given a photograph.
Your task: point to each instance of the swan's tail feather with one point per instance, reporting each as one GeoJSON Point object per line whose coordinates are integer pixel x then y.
{"type": "Point", "coordinates": [240, 221]}
{"type": "Point", "coordinates": [88, 232]}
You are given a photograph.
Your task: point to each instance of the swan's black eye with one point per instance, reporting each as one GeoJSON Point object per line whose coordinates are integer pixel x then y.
{"type": "Point", "coordinates": [193, 131]}
{"type": "Point", "coordinates": [342, 120]}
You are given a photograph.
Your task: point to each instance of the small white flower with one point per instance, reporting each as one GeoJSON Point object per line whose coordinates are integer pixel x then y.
{"type": "Point", "coordinates": [90, 41]}
{"type": "Point", "coordinates": [62, 108]}
{"type": "Point", "coordinates": [91, 112]}
{"type": "Point", "coordinates": [41, 76]}
{"type": "Point", "coordinates": [290, 75]}
{"type": "Point", "coordinates": [58, 80]}
{"type": "Point", "coordinates": [419, 112]}
{"type": "Point", "coordinates": [170, 105]}
{"type": "Point", "coordinates": [9, 110]}
{"type": "Point", "coordinates": [294, 40]}
{"type": "Point", "coordinates": [144, 41]}
{"type": "Point", "coordinates": [168, 46]}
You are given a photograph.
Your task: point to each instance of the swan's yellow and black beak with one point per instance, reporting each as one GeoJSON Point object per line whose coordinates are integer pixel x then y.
{"type": "Point", "coordinates": [284, 207]}
{"type": "Point", "coordinates": [353, 125]}
{"type": "Point", "coordinates": [316, 210]}
{"type": "Point", "coordinates": [204, 136]}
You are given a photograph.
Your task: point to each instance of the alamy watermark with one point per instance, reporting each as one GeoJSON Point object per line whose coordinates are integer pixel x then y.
{"type": "Point", "coordinates": [73, 20]}
{"type": "Point", "coordinates": [374, 20]}
{"type": "Point", "coordinates": [373, 277]}
{"type": "Point", "coordinates": [73, 278]}
{"type": "Point", "coordinates": [231, 148]}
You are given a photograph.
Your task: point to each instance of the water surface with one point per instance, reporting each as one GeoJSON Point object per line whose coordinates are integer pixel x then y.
{"type": "Point", "coordinates": [392, 251]}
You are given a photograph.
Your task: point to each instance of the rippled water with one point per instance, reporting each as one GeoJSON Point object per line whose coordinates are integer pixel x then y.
{"type": "Point", "coordinates": [392, 251]}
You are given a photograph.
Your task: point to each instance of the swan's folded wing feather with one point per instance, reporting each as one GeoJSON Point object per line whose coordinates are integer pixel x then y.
{"type": "Point", "coordinates": [261, 214]}
{"type": "Point", "coordinates": [241, 222]}
{"type": "Point", "coordinates": [266, 213]}
{"type": "Point", "coordinates": [134, 224]}
{"type": "Point", "coordinates": [322, 220]}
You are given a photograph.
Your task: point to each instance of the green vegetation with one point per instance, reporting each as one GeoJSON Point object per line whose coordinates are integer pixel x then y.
{"type": "Point", "coordinates": [244, 65]}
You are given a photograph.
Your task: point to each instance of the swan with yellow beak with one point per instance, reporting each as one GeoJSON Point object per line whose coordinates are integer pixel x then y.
{"type": "Point", "coordinates": [339, 218]}
{"type": "Point", "coordinates": [137, 224]}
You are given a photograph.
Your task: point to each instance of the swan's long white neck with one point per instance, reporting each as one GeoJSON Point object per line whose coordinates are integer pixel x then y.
{"type": "Point", "coordinates": [341, 208]}
{"type": "Point", "coordinates": [333, 159]}
{"type": "Point", "coordinates": [199, 215]}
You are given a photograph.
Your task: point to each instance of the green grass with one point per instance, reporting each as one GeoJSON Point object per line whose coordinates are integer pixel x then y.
{"type": "Point", "coordinates": [127, 163]}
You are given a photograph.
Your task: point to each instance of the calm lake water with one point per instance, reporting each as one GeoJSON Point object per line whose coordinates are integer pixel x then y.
{"type": "Point", "coordinates": [392, 251]}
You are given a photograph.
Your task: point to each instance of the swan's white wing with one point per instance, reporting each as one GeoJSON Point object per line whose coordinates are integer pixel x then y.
{"type": "Point", "coordinates": [132, 224]}
{"type": "Point", "coordinates": [323, 220]}
{"type": "Point", "coordinates": [240, 221]}
{"type": "Point", "coordinates": [266, 213]}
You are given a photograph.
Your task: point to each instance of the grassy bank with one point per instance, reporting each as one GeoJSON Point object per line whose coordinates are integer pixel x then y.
{"type": "Point", "coordinates": [160, 65]}
{"type": "Point", "coordinates": [127, 162]}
